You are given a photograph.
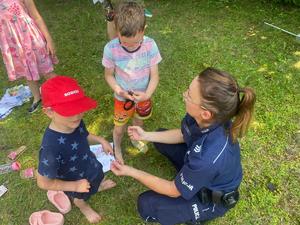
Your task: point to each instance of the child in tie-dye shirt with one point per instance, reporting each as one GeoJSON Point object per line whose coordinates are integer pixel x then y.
{"type": "Point", "coordinates": [131, 70]}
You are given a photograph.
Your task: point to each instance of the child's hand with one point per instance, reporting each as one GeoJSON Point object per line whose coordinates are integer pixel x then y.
{"type": "Point", "coordinates": [51, 51]}
{"type": "Point", "coordinates": [140, 96]}
{"type": "Point", "coordinates": [124, 94]}
{"type": "Point", "coordinates": [136, 133]}
{"type": "Point", "coordinates": [120, 169]}
{"type": "Point", "coordinates": [107, 147]}
{"type": "Point", "coordinates": [82, 185]}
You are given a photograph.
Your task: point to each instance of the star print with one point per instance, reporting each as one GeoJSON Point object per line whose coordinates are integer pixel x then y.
{"type": "Point", "coordinates": [75, 145]}
{"type": "Point", "coordinates": [45, 162]}
{"type": "Point", "coordinates": [61, 140]}
{"type": "Point", "coordinates": [81, 174]}
{"type": "Point", "coordinates": [85, 157]}
{"type": "Point", "coordinates": [73, 169]}
{"type": "Point", "coordinates": [73, 158]}
{"type": "Point", "coordinates": [81, 130]}
{"type": "Point", "coordinates": [58, 158]}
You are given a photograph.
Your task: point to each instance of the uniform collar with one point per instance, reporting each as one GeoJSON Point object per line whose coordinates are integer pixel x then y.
{"type": "Point", "coordinates": [192, 122]}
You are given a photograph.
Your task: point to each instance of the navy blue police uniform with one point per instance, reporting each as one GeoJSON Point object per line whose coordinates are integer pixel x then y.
{"type": "Point", "coordinates": [207, 161]}
{"type": "Point", "coordinates": [68, 157]}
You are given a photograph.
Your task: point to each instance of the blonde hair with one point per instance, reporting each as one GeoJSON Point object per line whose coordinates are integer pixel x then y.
{"type": "Point", "coordinates": [130, 18]}
{"type": "Point", "coordinates": [226, 100]}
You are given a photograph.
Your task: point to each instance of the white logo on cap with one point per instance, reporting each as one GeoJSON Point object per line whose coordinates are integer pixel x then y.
{"type": "Point", "coordinates": [71, 93]}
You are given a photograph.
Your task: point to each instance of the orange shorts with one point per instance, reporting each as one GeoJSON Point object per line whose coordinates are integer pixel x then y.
{"type": "Point", "coordinates": [125, 110]}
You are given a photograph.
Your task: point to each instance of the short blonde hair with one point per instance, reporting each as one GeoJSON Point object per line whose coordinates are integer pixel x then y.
{"type": "Point", "coordinates": [130, 18]}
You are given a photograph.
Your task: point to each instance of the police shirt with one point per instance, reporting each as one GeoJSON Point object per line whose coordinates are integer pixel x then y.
{"type": "Point", "coordinates": [68, 156]}
{"type": "Point", "coordinates": [212, 160]}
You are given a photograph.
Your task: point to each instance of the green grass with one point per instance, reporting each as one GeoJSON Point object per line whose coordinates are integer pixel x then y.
{"type": "Point", "coordinates": [191, 35]}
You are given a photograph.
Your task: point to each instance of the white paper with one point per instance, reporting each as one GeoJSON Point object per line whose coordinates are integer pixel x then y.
{"type": "Point", "coordinates": [95, 1]}
{"type": "Point", "coordinates": [102, 157]}
{"type": "Point", "coordinates": [3, 190]}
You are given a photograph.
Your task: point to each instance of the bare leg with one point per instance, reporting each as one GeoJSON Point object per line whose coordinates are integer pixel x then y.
{"type": "Point", "coordinates": [90, 214]}
{"type": "Point", "coordinates": [137, 122]}
{"type": "Point", "coordinates": [35, 90]}
{"type": "Point", "coordinates": [111, 30]}
{"type": "Point", "coordinates": [118, 134]}
{"type": "Point", "coordinates": [50, 75]}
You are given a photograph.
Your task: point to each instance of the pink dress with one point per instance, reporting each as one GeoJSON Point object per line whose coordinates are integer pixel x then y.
{"type": "Point", "coordinates": [22, 44]}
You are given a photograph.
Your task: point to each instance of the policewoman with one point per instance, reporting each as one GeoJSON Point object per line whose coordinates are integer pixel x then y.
{"type": "Point", "coordinates": [205, 153]}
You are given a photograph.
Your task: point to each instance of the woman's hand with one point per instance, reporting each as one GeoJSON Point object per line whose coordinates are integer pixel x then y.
{"type": "Point", "coordinates": [120, 169]}
{"type": "Point", "coordinates": [83, 185]}
{"type": "Point", "coordinates": [136, 133]}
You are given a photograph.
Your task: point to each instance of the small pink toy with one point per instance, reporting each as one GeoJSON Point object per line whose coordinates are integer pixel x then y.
{"type": "Point", "coordinates": [6, 168]}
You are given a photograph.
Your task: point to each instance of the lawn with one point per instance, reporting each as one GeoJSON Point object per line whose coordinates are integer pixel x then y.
{"type": "Point", "coordinates": [191, 35]}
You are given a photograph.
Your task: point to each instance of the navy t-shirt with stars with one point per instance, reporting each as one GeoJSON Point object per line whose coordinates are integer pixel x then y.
{"type": "Point", "coordinates": [68, 156]}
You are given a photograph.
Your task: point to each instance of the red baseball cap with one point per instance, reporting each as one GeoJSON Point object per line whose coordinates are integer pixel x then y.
{"type": "Point", "coordinates": [65, 96]}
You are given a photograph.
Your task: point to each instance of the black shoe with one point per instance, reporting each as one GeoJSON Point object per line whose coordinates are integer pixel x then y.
{"type": "Point", "coordinates": [109, 10]}
{"type": "Point", "coordinates": [34, 106]}
{"type": "Point", "coordinates": [107, 5]}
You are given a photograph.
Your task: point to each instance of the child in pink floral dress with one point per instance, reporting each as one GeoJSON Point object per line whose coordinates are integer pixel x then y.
{"type": "Point", "coordinates": [26, 45]}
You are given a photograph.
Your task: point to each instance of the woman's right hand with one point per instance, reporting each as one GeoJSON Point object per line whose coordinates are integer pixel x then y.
{"type": "Point", "coordinates": [136, 133]}
{"type": "Point", "coordinates": [83, 185]}
{"type": "Point", "coordinates": [120, 169]}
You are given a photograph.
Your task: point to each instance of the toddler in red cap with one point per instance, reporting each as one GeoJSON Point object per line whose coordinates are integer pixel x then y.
{"type": "Point", "coordinates": [65, 160]}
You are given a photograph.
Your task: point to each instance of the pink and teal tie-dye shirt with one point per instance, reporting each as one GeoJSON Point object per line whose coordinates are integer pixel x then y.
{"type": "Point", "coordinates": [132, 70]}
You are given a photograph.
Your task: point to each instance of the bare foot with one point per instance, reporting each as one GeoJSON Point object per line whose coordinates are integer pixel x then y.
{"type": "Point", "coordinates": [118, 156]}
{"type": "Point", "coordinates": [89, 213]}
{"type": "Point", "coordinates": [106, 184]}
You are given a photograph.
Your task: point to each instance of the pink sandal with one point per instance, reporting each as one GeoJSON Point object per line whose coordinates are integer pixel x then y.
{"type": "Point", "coordinates": [60, 200]}
{"type": "Point", "coordinates": [15, 154]}
{"type": "Point", "coordinates": [28, 173]}
{"type": "Point", "coordinates": [46, 217]}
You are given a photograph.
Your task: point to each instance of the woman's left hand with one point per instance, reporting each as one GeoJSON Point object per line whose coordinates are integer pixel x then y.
{"type": "Point", "coordinates": [120, 169]}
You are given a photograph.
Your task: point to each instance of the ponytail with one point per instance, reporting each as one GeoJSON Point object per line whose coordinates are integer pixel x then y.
{"type": "Point", "coordinates": [244, 114]}
{"type": "Point", "coordinates": [222, 96]}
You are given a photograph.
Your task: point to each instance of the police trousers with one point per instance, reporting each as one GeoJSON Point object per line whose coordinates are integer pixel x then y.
{"type": "Point", "coordinates": [154, 207]}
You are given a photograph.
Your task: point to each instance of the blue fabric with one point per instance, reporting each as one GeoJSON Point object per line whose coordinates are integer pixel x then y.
{"type": "Point", "coordinates": [212, 160]}
{"type": "Point", "coordinates": [13, 97]}
{"type": "Point", "coordinates": [154, 207]}
{"type": "Point", "coordinates": [208, 159]}
{"type": "Point", "coordinates": [68, 157]}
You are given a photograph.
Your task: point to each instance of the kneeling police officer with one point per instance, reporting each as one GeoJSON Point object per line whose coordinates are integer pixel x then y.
{"type": "Point", "coordinates": [205, 153]}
